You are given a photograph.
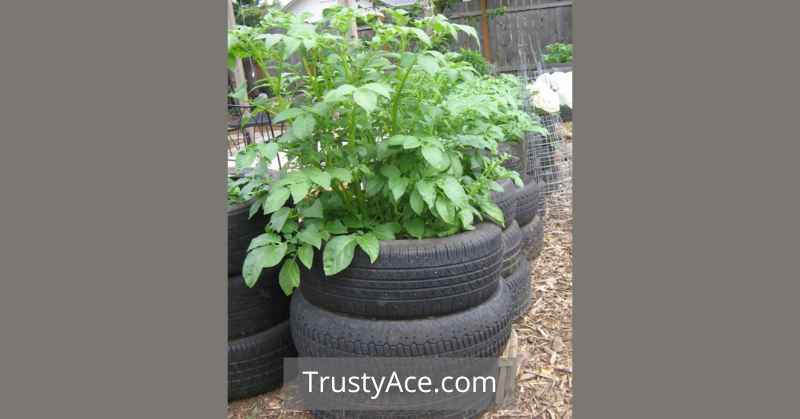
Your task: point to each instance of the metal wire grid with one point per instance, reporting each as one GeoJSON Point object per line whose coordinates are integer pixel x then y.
{"type": "Point", "coordinates": [257, 128]}
{"type": "Point", "coordinates": [548, 157]}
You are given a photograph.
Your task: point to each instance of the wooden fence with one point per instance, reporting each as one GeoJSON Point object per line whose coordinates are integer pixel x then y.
{"type": "Point", "coordinates": [518, 29]}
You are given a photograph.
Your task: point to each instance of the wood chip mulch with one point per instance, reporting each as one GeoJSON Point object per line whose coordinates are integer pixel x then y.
{"type": "Point", "coordinates": [545, 336]}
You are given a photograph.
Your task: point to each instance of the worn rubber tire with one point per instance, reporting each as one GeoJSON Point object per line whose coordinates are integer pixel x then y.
{"type": "Point", "coordinates": [481, 331]}
{"type": "Point", "coordinates": [253, 310]}
{"type": "Point", "coordinates": [473, 411]}
{"type": "Point", "coordinates": [412, 278]}
{"type": "Point", "coordinates": [528, 203]}
{"type": "Point", "coordinates": [519, 285]}
{"type": "Point", "coordinates": [255, 363]}
{"type": "Point", "coordinates": [507, 200]}
{"type": "Point", "coordinates": [512, 248]}
{"type": "Point", "coordinates": [533, 238]}
{"type": "Point", "coordinates": [240, 231]}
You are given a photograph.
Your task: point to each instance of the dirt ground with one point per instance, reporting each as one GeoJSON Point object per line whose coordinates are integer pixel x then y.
{"type": "Point", "coordinates": [545, 335]}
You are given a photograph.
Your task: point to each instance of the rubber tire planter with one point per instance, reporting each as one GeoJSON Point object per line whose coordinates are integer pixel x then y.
{"type": "Point", "coordinates": [412, 278]}
{"type": "Point", "coordinates": [253, 310]}
{"type": "Point", "coordinates": [255, 363]}
{"type": "Point", "coordinates": [507, 200]}
{"type": "Point", "coordinates": [240, 231]}
{"type": "Point", "coordinates": [519, 285]}
{"type": "Point", "coordinates": [533, 238]}
{"type": "Point", "coordinates": [512, 248]}
{"type": "Point", "coordinates": [528, 202]}
{"type": "Point", "coordinates": [481, 331]}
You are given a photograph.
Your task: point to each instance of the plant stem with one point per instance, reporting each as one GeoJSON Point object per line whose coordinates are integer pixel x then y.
{"type": "Point", "coordinates": [396, 99]}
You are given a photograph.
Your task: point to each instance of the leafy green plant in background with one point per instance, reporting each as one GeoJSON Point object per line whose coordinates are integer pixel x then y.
{"type": "Point", "coordinates": [558, 53]}
{"type": "Point", "coordinates": [475, 59]}
{"type": "Point", "coordinates": [388, 137]}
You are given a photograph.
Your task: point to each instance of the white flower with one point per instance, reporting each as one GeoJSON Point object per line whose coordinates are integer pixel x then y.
{"type": "Point", "coordinates": [564, 90]}
{"type": "Point", "coordinates": [543, 97]}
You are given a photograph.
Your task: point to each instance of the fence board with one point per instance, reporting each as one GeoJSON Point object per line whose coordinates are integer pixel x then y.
{"type": "Point", "coordinates": [518, 36]}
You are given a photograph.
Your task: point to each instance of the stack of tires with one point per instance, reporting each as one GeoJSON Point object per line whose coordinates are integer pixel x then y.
{"type": "Point", "coordinates": [439, 297]}
{"type": "Point", "coordinates": [258, 326]}
{"type": "Point", "coordinates": [522, 232]}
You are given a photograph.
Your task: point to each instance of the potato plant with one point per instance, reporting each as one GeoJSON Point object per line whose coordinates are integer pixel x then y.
{"type": "Point", "coordinates": [387, 137]}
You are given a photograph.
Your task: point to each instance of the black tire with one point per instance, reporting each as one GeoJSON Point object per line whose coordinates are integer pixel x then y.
{"type": "Point", "coordinates": [240, 231]}
{"type": "Point", "coordinates": [413, 278]}
{"type": "Point", "coordinates": [533, 238]}
{"type": "Point", "coordinates": [507, 200]}
{"type": "Point", "coordinates": [472, 411]}
{"type": "Point", "coordinates": [512, 248]}
{"type": "Point", "coordinates": [253, 310]}
{"type": "Point", "coordinates": [519, 286]}
{"type": "Point", "coordinates": [255, 363]}
{"type": "Point", "coordinates": [481, 331]}
{"type": "Point", "coordinates": [528, 203]}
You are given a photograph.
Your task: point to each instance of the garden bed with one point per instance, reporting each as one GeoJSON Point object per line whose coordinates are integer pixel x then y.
{"type": "Point", "coordinates": [545, 335]}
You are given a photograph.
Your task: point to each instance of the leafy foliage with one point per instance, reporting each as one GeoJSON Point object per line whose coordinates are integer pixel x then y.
{"type": "Point", "coordinates": [388, 138]}
{"type": "Point", "coordinates": [475, 59]}
{"type": "Point", "coordinates": [558, 53]}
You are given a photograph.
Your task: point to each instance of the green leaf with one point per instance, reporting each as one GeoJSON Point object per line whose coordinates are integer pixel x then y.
{"type": "Point", "coordinates": [270, 39]}
{"type": "Point", "coordinates": [435, 157]}
{"type": "Point", "coordinates": [303, 126]}
{"type": "Point", "coordinates": [339, 92]}
{"type": "Point", "coordinates": [494, 186]}
{"type": "Point", "coordinates": [446, 210]}
{"type": "Point", "coordinates": [370, 245]}
{"type": "Point", "coordinates": [263, 240]}
{"type": "Point", "coordinates": [453, 190]}
{"type": "Point", "coordinates": [276, 198]}
{"type": "Point", "coordinates": [422, 36]}
{"type": "Point", "coordinates": [390, 171]}
{"type": "Point", "coordinates": [254, 207]}
{"type": "Point", "coordinates": [290, 113]}
{"type": "Point", "coordinates": [318, 176]}
{"type": "Point", "coordinates": [278, 218]}
{"type": "Point", "coordinates": [386, 231]}
{"type": "Point", "coordinates": [306, 255]}
{"type": "Point", "coordinates": [312, 211]}
{"type": "Point", "coordinates": [335, 227]}
{"type": "Point", "coordinates": [269, 150]}
{"type": "Point", "coordinates": [299, 191]}
{"type": "Point", "coordinates": [289, 277]}
{"type": "Point", "coordinates": [374, 185]}
{"type": "Point", "coordinates": [245, 158]}
{"type": "Point", "coordinates": [467, 218]}
{"type": "Point", "coordinates": [417, 204]}
{"type": "Point", "coordinates": [407, 141]}
{"type": "Point", "coordinates": [415, 227]}
{"type": "Point", "coordinates": [366, 98]}
{"type": "Point", "coordinates": [398, 186]}
{"type": "Point", "coordinates": [338, 254]}
{"type": "Point", "coordinates": [352, 222]}
{"type": "Point", "coordinates": [342, 174]}
{"type": "Point", "coordinates": [310, 235]}
{"type": "Point", "coordinates": [469, 30]}
{"type": "Point", "coordinates": [260, 258]}
{"type": "Point", "coordinates": [492, 210]}
{"type": "Point", "coordinates": [427, 191]}
{"type": "Point", "coordinates": [291, 45]}
{"type": "Point", "coordinates": [379, 88]}
{"type": "Point", "coordinates": [428, 63]}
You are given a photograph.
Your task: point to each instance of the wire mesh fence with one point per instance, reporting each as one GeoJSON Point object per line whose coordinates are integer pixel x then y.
{"type": "Point", "coordinates": [245, 128]}
{"type": "Point", "coordinates": [548, 157]}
